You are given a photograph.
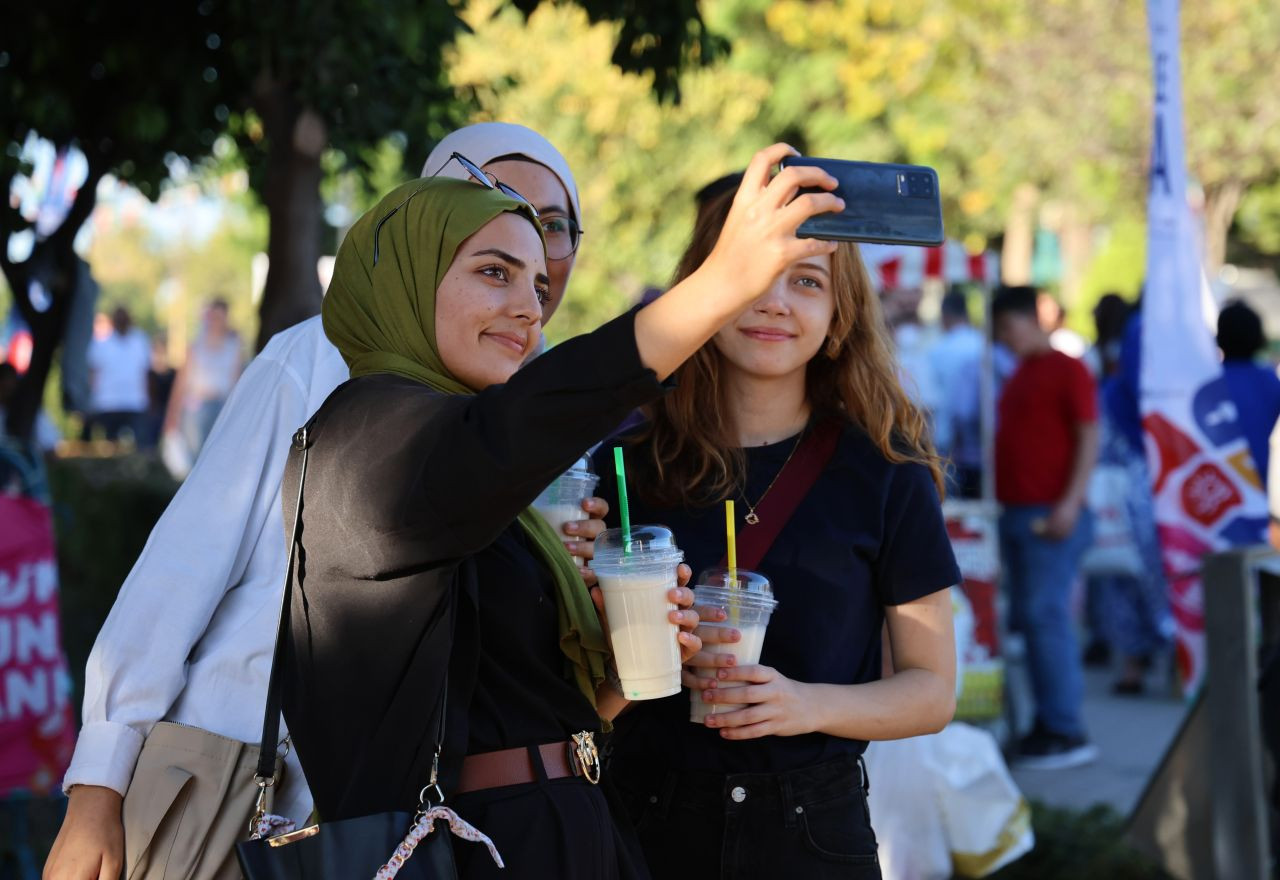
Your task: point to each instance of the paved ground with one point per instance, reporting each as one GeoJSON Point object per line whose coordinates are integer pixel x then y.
{"type": "Point", "coordinates": [1132, 734]}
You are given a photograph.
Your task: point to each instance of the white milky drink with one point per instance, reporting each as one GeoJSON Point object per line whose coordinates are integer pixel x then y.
{"type": "Point", "coordinates": [559, 514]}
{"type": "Point", "coordinates": [644, 640]}
{"type": "Point", "coordinates": [561, 502]}
{"type": "Point", "coordinates": [748, 603]}
{"type": "Point", "coordinates": [747, 652]}
{"type": "Point", "coordinates": [635, 577]}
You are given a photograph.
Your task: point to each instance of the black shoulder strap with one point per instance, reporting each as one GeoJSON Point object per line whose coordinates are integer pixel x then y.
{"type": "Point", "coordinates": [266, 772]}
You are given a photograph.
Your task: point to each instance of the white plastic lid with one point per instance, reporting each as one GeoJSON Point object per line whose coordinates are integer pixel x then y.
{"type": "Point", "coordinates": [645, 545]}
{"type": "Point", "coordinates": [750, 581]}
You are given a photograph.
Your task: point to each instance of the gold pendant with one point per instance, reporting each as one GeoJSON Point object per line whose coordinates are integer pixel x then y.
{"type": "Point", "coordinates": [752, 519]}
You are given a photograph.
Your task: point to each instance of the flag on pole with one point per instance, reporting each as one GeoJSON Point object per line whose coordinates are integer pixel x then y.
{"type": "Point", "coordinates": [1208, 494]}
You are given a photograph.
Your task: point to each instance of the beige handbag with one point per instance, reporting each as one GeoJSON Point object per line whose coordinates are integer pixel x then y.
{"type": "Point", "coordinates": [190, 802]}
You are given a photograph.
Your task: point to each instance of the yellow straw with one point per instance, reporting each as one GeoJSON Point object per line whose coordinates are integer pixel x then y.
{"type": "Point", "coordinates": [731, 536]}
{"type": "Point", "coordinates": [731, 540]}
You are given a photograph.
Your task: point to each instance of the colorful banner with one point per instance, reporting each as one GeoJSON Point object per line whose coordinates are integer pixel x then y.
{"type": "Point", "coordinates": [972, 530]}
{"type": "Point", "coordinates": [37, 731]}
{"type": "Point", "coordinates": [1207, 492]}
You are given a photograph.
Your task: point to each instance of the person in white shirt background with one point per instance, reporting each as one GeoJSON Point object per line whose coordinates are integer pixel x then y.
{"type": "Point", "coordinates": [212, 572]}
{"type": "Point", "coordinates": [901, 309]}
{"type": "Point", "coordinates": [956, 362]}
{"type": "Point", "coordinates": [118, 365]}
{"type": "Point", "coordinates": [205, 380]}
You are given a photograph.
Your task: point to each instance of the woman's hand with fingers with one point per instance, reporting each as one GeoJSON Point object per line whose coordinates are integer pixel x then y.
{"type": "Point", "coordinates": [582, 536]}
{"type": "Point", "coordinates": [777, 706]}
{"type": "Point", "coordinates": [759, 240]}
{"type": "Point", "coordinates": [684, 617]}
{"type": "Point", "coordinates": [699, 672]}
{"type": "Point", "coordinates": [90, 843]}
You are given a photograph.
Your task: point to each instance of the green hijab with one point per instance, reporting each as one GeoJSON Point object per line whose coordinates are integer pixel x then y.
{"type": "Point", "coordinates": [380, 312]}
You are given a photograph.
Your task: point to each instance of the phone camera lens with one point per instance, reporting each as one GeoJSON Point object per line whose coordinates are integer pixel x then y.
{"type": "Point", "coordinates": [919, 186]}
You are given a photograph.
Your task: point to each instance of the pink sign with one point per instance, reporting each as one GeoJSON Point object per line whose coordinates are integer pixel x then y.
{"type": "Point", "coordinates": [36, 726]}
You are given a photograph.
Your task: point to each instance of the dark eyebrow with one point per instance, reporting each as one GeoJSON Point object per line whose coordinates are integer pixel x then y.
{"type": "Point", "coordinates": [501, 255]}
{"type": "Point", "coordinates": [813, 266]}
{"type": "Point", "coordinates": [552, 209]}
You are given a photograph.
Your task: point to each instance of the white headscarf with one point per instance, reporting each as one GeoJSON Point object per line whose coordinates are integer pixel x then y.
{"type": "Point", "coordinates": [486, 141]}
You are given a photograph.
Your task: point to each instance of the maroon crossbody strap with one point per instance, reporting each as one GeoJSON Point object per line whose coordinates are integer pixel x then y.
{"type": "Point", "coordinates": [792, 485]}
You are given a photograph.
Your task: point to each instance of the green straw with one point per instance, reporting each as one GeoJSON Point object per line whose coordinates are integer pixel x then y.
{"type": "Point", "coordinates": [624, 509]}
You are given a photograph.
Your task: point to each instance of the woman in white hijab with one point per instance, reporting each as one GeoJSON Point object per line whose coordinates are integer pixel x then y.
{"type": "Point", "coordinates": [189, 641]}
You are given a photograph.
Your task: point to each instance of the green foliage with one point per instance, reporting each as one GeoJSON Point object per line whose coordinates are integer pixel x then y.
{"type": "Point", "coordinates": [1071, 845]}
{"type": "Point", "coordinates": [659, 37]}
{"type": "Point", "coordinates": [792, 75]}
{"type": "Point", "coordinates": [1258, 221]}
{"type": "Point", "coordinates": [124, 84]}
{"type": "Point", "coordinates": [104, 510]}
{"type": "Point", "coordinates": [374, 69]}
{"type": "Point", "coordinates": [876, 81]}
{"type": "Point", "coordinates": [1064, 95]}
{"type": "Point", "coordinates": [637, 159]}
{"type": "Point", "coordinates": [1118, 266]}
{"type": "Point", "coordinates": [367, 69]}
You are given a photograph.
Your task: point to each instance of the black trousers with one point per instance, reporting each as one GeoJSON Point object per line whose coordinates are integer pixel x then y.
{"type": "Point", "coordinates": [562, 829]}
{"type": "Point", "coordinates": [810, 823]}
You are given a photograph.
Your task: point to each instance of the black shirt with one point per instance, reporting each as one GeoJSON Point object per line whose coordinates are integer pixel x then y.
{"type": "Point", "coordinates": [869, 533]}
{"type": "Point", "coordinates": [522, 695]}
{"type": "Point", "coordinates": [412, 563]}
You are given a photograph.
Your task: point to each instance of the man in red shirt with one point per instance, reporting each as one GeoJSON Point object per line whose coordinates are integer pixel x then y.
{"type": "Point", "coordinates": [1046, 447]}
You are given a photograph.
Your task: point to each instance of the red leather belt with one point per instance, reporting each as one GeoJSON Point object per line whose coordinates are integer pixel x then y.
{"type": "Point", "coordinates": [574, 757]}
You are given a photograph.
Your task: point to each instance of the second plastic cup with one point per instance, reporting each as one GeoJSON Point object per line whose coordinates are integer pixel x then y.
{"type": "Point", "coordinates": [747, 603]}
{"type": "Point", "coordinates": [636, 571]}
{"type": "Point", "coordinates": [561, 502]}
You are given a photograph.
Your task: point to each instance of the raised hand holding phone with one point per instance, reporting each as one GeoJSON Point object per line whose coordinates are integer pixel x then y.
{"type": "Point", "coordinates": [884, 203]}
{"type": "Point", "coordinates": [757, 243]}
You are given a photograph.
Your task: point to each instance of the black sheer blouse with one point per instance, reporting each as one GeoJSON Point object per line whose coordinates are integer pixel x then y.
{"type": "Point", "coordinates": [413, 563]}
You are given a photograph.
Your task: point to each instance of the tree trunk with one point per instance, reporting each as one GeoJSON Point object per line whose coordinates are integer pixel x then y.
{"type": "Point", "coordinates": [1019, 236]}
{"type": "Point", "coordinates": [291, 192]}
{"type": "Point", "coordinates": [47, 329]}
{"type": "Point", "coordinates": [1221, 200]}
{"type": "Point", "coordinates": [54, 263]}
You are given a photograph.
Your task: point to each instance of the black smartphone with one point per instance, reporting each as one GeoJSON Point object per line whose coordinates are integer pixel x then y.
{"type": "Point", "coordinates": [884, 203]}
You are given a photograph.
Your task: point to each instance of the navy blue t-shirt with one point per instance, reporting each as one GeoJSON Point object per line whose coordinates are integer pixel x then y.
{"type": "Point", "coordinates": [869, 533]}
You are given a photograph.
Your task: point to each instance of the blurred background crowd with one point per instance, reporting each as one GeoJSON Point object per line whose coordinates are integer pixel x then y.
{"type": "Point", "coordinates": [175, 196]}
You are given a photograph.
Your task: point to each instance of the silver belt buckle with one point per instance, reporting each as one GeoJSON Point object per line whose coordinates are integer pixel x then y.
{"type": "Point", "coordinates": [585, 757]}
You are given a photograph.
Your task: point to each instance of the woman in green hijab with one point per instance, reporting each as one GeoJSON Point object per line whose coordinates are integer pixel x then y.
{"type": "Point", "coordinates": [421, 562]}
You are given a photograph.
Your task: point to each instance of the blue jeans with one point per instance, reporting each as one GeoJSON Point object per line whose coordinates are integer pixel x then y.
{"type": "Point", "coordinates": [1133, 609]}
{"type": "Point", "coordinates": [1038, 575]}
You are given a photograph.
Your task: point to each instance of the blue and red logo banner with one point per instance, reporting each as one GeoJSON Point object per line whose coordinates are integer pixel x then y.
{"type": "Point", "coordinates": [1208, 494]}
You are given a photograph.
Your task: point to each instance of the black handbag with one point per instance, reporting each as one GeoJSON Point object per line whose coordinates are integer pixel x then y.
{"type": "Point", "coordinates": [351, 848]}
